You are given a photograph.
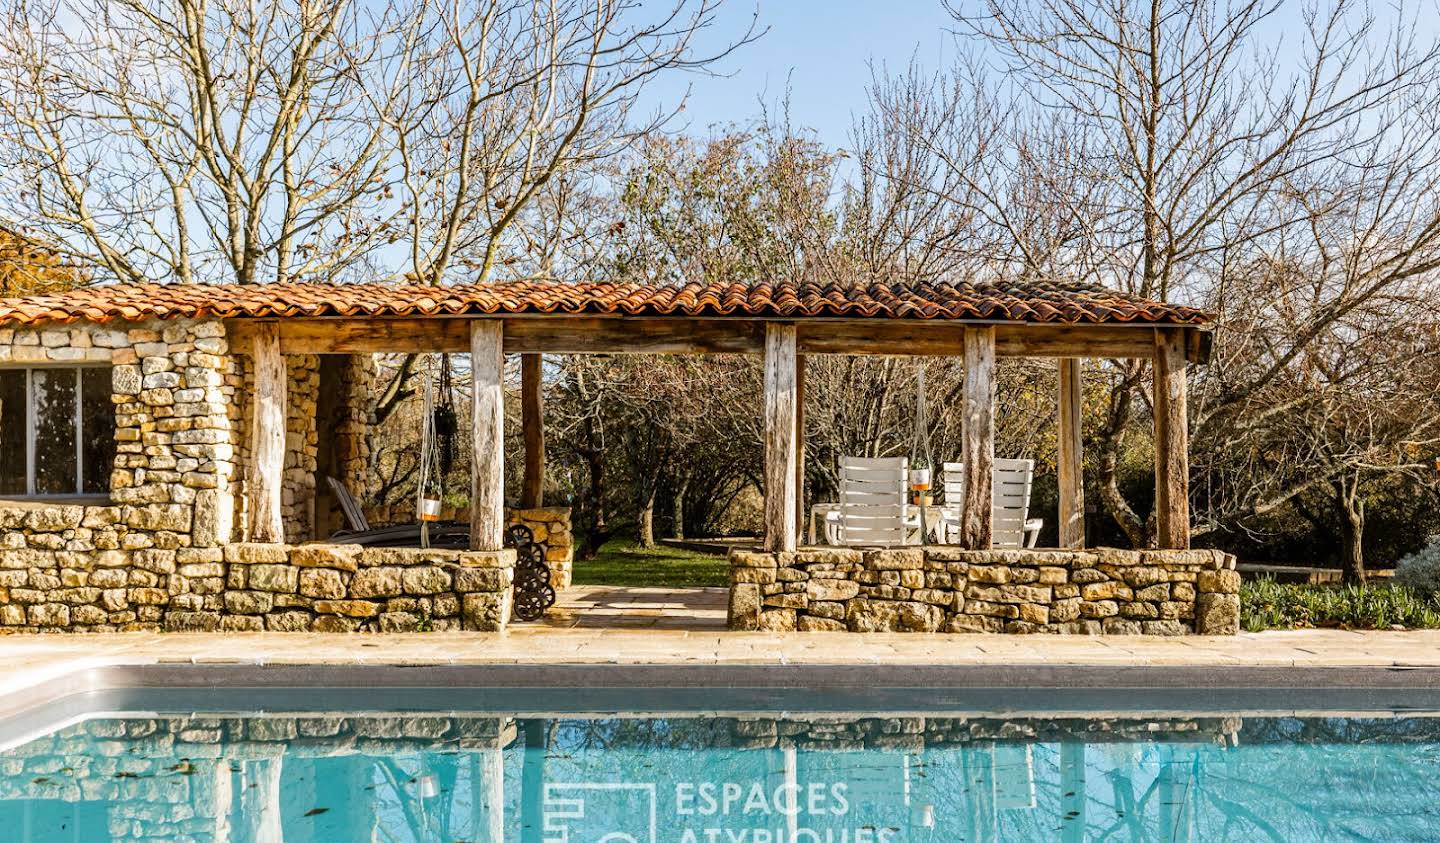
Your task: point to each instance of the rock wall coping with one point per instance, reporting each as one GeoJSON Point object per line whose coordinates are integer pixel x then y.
{"type": "Point", "coordinates": [947, 589]}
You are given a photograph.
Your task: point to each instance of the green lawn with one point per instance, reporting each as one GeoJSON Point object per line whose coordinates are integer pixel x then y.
{"type": "Point", "coordinates": [623, 562]}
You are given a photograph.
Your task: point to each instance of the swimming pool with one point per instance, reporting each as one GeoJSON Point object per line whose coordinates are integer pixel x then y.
{"type": "Point", "coordinates": [447, 764]}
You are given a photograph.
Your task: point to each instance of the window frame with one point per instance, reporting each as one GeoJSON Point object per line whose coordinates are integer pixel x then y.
{"type": "Point", "coordinates": [78, 426]}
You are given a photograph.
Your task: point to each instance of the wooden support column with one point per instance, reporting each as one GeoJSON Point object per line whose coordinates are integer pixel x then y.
{"type": "Point", "coordinates": [267, 436]}
{"type": "Point", "coordinates": [1172, 442]}
{"type": "Point", "coordinates": [532, 423]}
{"type": "Point", "coordinates": [799, 447]}
{"type": "Point", "coordinates": [781, 458]}
{"type": "Point", "coordinates": [487, 435]}
{"type": "Point", "coordinates": [978, 449]}
{"type": "Point", "coordinates": [1070, 457]}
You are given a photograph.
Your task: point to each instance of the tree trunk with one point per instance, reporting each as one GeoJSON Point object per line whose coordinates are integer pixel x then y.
{"type": "Point", "coordinates": [647, 520]}
{"type": "Point", "coordinates": [677, 516]}
{"type": "Point", "coordinates": [1352, 532]}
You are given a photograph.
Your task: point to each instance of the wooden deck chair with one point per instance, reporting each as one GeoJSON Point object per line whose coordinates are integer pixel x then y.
{"type": "Point", "coordinates": [1012, 526]}
{"type": "Point", "coordinates": [443, 534]}
{"type": "Point", "coordinates": [874, 503]}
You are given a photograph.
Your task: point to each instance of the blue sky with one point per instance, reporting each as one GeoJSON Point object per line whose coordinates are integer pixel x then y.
{"type": "Point", "coordinates": [821, 49]}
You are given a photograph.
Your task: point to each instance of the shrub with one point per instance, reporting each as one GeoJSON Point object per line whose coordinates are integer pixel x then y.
{"type": "Point", "coordinates": [1421, 569]}
{"type": "Point", "coordinates": [1266, 604]}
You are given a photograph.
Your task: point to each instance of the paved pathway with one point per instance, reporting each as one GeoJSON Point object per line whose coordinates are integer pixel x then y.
{"type": "Point", "coordinates": [611, 607]}
{"type": "Point", "coordinates": [26, 660]}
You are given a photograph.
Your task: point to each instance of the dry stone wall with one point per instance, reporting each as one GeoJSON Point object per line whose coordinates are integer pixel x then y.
{"type": "Point", "coordinates": [550, 524]}
{"type": "Point", "coordinates": [946, 589]}
{"type": "Point", "coordinates": [346, 588]}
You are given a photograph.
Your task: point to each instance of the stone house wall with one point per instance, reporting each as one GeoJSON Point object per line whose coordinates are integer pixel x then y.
{"type": "Point", "coordinates": [946, 589]}
{"type": "Point", "coordinates": [173, 485]}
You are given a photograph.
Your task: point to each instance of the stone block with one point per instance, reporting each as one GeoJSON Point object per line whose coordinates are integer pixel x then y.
{"type": "Point", "coordinates": [288, 622]}
{"type": "Point", "coordinates": [335, 623]}
{"type": "Point", "coordinates": [1034, 613]}
{"type": "Point", "coordinates": [776, 620]}
{"type": "Point", "coordinates": [896, 559]}
{"type": "Point", "coordinates": [323, 583]}
{"type": "Point", "coordinates": [486, 612]}
{"type": "Point", "coordinates": [248, 602]}
{"type": "Point", "coordinates": [973, 623]}
{"type": "Point", "coordinates": [1099, 608]}
{"type": "Point", "coordinates": [242, 623]}
{"type": "Point", "coordinates": [1168, 627]}
{"type": "Point", "coordinates": [753, 575]}
{"type": "Point", "coordinates": [1064, 611]}
{"type": "Point", "coordinates": [889, 615]}
{"type": "Point", "coordinates": [425, 580]}
{"type": "Point", "coordinates": [1218, 582]}
{"type": "Point", "coordinates": [788, 600]}
{"type": "Point", "coordinates": [377, 582]}
{"type": "Point", "coordinates": [825, 589]}
{"type": "Point", "coordinates": [399, 622]}
{"type": "Point", "coordinates": [1109, 590]}
{"type": "Point", "coordinates": [341, 557]}
{"type": "Point", "coordinates": [347, 608]}
{"type": "Point", "coordinates": [256, 554]}
{"type": "Point", "coordinates": [1217, 614]}
{"type": "Point", "coordinates": [48, 614]}
{"type": "Point", "coordinates": [192, 621]}
{"type": "Point", "coordinates": [274, 578]}
{"type": "Point", "coordinates": [744, 607]}
{"type": "Point", "coordinates": [1155, 594]}
{"type": "Point", "coordinates": [809, 623]}
{"type": "Point", "coordinates": [481, 579]}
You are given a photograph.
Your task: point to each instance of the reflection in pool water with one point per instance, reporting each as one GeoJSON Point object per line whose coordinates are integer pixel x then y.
{"type": "Point", "coordinates": [867, 779]}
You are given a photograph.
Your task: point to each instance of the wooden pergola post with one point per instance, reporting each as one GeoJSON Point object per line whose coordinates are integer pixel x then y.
{"type": "Point", "coordinates": [799, 447]}
{"type": "Point", "coordinates": [1172, 442]}
{"type": "Point", "coordinates": [978, 449]}
{"type": "Point", "coordinates": [267, 436]}
{"type": "Point", "coordinates": [1070, 456]}
{"type": "Point", "coordinates": [532, 425]}
{"type": "Point", "coordinates": [487, 432]}
{"type": "Point", "coordinates": [781, 447]}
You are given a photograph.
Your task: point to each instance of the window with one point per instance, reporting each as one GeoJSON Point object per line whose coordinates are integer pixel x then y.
{"type": "Point", "coordinates": [57, 431]}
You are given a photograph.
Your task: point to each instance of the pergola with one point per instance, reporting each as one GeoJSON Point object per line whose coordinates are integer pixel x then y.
{"type": "Point", "coordinates": [783, 322]}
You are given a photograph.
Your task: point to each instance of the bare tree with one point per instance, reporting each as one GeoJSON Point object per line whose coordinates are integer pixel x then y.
{"type": "Point", "coordinates": [1155, 147]}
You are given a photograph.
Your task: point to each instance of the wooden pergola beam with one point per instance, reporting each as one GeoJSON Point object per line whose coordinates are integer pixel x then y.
{"type": "Point", "coordinates": [567, 334]}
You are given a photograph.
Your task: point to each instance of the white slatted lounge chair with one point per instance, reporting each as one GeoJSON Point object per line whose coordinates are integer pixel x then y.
{"type": "Point", "coordinates": [1012, 526]}
{"type": "Point", "coordinates": [874, 503]}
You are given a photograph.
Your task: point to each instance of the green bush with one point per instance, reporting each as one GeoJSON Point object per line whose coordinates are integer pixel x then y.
{"type": "Point", "coordinates": [1266, 604]}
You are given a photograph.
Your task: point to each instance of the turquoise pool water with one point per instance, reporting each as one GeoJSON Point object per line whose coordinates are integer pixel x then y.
{"type": "Point", "coordinates": [752, 779]}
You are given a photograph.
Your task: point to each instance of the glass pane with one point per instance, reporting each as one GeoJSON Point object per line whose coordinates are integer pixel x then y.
{"type": "Point", "coordinates": [97, 429]}
{"type": "Point", "coordinates": [12, 431]}
{"type": "Point", "coordinates": [53, 391]}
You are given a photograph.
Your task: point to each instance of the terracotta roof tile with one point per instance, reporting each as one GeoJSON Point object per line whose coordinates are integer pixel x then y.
{"type": "Point", "coordinates": [1013, 302]}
